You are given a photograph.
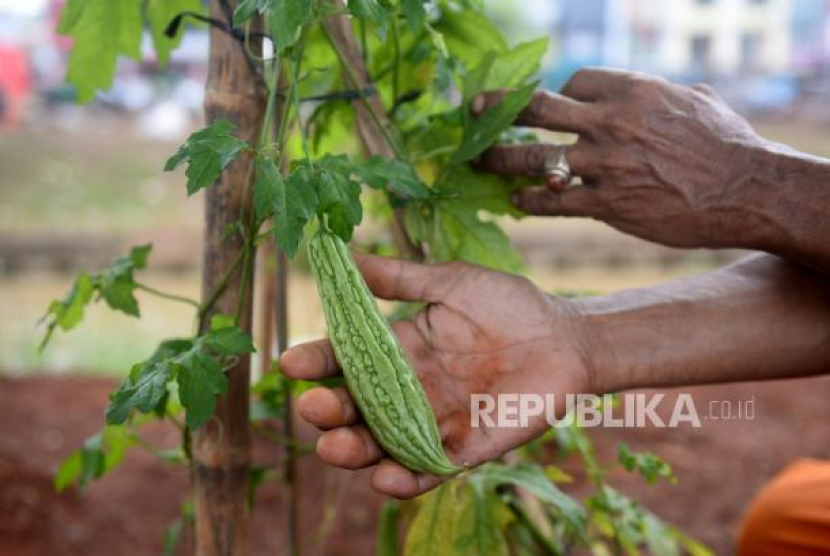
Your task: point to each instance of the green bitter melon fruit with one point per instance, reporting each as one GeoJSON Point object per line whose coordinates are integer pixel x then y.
{"type": "Point", "coordinates": [379, 376]}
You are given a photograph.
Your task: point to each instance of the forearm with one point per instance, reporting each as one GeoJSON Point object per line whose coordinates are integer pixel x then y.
{"type": "Point", "coordinates": [786, 202]}
{"type": "Point", "coordinates": [761, 318]}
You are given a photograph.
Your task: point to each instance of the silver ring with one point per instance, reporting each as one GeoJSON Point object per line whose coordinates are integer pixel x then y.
{"type": "Point", "coordinates": [556, 165]}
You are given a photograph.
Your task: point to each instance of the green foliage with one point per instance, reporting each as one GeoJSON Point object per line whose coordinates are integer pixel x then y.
{"type": "Point", "coordinates": [104, 29]}
{"type": "Point", "coordinates": [115, 285]}
{"type": "Point", "coordinates": [145, 388]}
{"type": "Point", "coordinates": [286, 19]}
{"type": "Point", "coordinates": [292, 202]}
{"type": "Point", "coordinates": [373, 12]}
{"type": "Point", "coordinates": [101, 29]}
{"type": "Point", "coordinates": [388, 521]}
{"type": "Point", "coordinates": [98, 455]}
{"type": "Point", "coordinates": [246, 9]}
{"type": "Point", "coordinates": [453, 520]}
{"type": "Point", "coordinates": [395, 176]}
{"type": "Point", "coordinates": [452, 224]}
{"type": "Point", "coordinates": [452, 211]}
{"type": "Point", "coordinates": [650, 466]}
{"type": "Point", "coordinates": [484, 130]}
{"type": "Point", "coordinates": [195, 365]}
{"type": "Point", "coordinates": [533, 478]}
{"type": "Point", "coordinates": [207, 152]}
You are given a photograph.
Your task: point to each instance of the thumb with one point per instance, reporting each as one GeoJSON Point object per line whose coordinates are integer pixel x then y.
{"type": "Point", "coordinates": [403, 280]}
{"type": "Point", "coordinates": [541, 201]}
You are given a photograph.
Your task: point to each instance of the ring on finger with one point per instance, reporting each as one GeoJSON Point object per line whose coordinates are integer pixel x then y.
{"type": "Point", "coordinates": [556, 167]}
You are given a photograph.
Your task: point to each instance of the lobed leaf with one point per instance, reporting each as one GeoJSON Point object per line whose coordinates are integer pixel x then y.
{"type": "Point", "coordinates": [101, 29]}
{"type": "Point", "coordinates": [200, 379]}
{"type": "Point", "coordinates": [208, 152]}
{"type": "Point", "coordinates": [286, 18]}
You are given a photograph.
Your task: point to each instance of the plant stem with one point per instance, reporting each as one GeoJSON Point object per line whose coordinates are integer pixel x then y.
{"type": "Point", "coordinates": [396, 76]}
{"type": "Point", "coordinates": [220, 288]}
{"type": "Point", "coordinates": [169, 296]}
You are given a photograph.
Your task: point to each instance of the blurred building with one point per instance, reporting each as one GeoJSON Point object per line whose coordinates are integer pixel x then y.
{"type": "Point", "coordinates": [683, 38]}
{"type": "Point", "coordinates": [811, 37]}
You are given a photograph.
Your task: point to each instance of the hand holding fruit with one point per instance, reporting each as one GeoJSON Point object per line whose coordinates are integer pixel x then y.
{"type": "Point", "coordinates": [481, 332]}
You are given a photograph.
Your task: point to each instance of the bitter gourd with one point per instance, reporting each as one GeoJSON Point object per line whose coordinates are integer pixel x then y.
{"type": "Point", "coordinates": [379, 376]}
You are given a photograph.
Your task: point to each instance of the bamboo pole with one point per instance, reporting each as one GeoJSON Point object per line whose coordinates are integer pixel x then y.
{"type": "Point", "coordinates": [221, 448]}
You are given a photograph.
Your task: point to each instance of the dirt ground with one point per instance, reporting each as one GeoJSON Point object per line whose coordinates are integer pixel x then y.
{"type": "Point", "coordinates": [720, 467]}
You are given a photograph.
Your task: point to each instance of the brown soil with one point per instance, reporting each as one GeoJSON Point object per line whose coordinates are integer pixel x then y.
{"type": "Point", "coordinates": [720, 467]}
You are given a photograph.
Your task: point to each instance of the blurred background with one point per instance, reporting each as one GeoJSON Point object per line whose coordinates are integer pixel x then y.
{"type": "Point", "coordinates": [80, 184]}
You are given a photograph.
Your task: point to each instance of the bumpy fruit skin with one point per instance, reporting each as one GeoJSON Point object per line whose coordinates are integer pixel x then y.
{"type": "Point", "coordinates": [381, 380]}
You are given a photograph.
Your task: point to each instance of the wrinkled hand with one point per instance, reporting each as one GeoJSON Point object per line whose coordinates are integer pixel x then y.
{"type": "Point", "coordinates": [668, 163]}
{"type": "Point", "coordinates": [482, 332]}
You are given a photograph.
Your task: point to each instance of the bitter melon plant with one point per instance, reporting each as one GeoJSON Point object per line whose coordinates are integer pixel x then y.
{"type": "Point", "coordinates": [425, 62]}
{"type": "Point", "coordinates": [380, 378]}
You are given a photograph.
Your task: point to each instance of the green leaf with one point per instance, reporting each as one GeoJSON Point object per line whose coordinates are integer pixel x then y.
{"type": "Point", "coordinates": [482, 517]}
{"type": "Point", "coordinates": [229, 340]}
{"type": "Point", "coordinates": [459, 518]}
{"type": "Point", "coordinates": [514, 67]}
{"type": "Point", "coordinates": [462, 235]}
{"type": "Point", "coordinates": [651, 467]}
{"type": "Point", "coordinates": [469, 35]}
{"type": "Point", "coordinates": [219, 320]}
{"type": "Point", "coordinates": [373, 12]}
{"type": "Point", "coordinates": [292, 202]}
{"type": "Point", "coordinates": [70, 15]}
{"type": "Point", "coordinates": [139, 255]}
{"type": "Point", "coordinates": [68, 312]}
{"type": "Point", "coordinates": [172, 534]}
{"type": "Point", "coordinates": [339, 195]}
{"type": "Point", "coordinates": [208, 152]}
{"type": "Point", "coordinates": [414, 12]}
{"type": "Point", "coordinates": [68, 472]}
{"type": "Point", "coordinates": [145, 388]}
{"type": "Point", "coordinates": [117, 284]}
{"type": "Point", "coordinates": [143, 394]}
{"type": "Point", "coordinates": [286, 18]}
{"type": "Point", "coordinates": [481, 191]}
{"type": "Point", "coordinates": [118, 293]}
{"type": "Point", "coordinates": [267, 182]}
{"type": "Point", "coordinates": [396, 176]}
{"type": "Point", "coordinates": [452, 224]}
{"type": "Point", "coordinates": [387, 529]}
{"type": "Point", "coordinates": [101, 29]}
{"type": "Point", "coordinates": [432, 531]}
{"type": "Point", "coordinates": [533, 478]}
{"type": "Point", "coordinates": [246, 9]}
{"type": "Point", "coordinates": [200, 380]}
{"type": "Point", "coordinates": [99, 454]}
{"type": "Point", "coordinates": [159, 15]}
{"type": "Point", "coordinates": [481, 132]}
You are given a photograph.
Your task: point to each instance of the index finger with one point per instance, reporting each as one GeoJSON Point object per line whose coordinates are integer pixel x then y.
{"type": "Point", "coordinates": [545, 110]}
{"type": "Point", "coordinates": [310, 361]}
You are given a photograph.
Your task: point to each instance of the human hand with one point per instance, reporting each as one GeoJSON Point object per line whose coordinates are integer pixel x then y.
{"type": "Point", "coordinates": [664, 162]}
{"type": "Point", "coordinates": [482, 332]}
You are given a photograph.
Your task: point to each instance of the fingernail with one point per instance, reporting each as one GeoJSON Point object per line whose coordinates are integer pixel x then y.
{"type": "Point", "coordinates": [555, 184]}
{"type": "Point", "coordinates": [478, 104]}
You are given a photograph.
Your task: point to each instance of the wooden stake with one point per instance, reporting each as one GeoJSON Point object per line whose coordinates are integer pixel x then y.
{"type": "Point", "coordinates": [221, 447]}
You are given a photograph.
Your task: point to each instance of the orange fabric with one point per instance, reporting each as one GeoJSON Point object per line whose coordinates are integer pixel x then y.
{"type": "Point", "coordinates": [791, 515]}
